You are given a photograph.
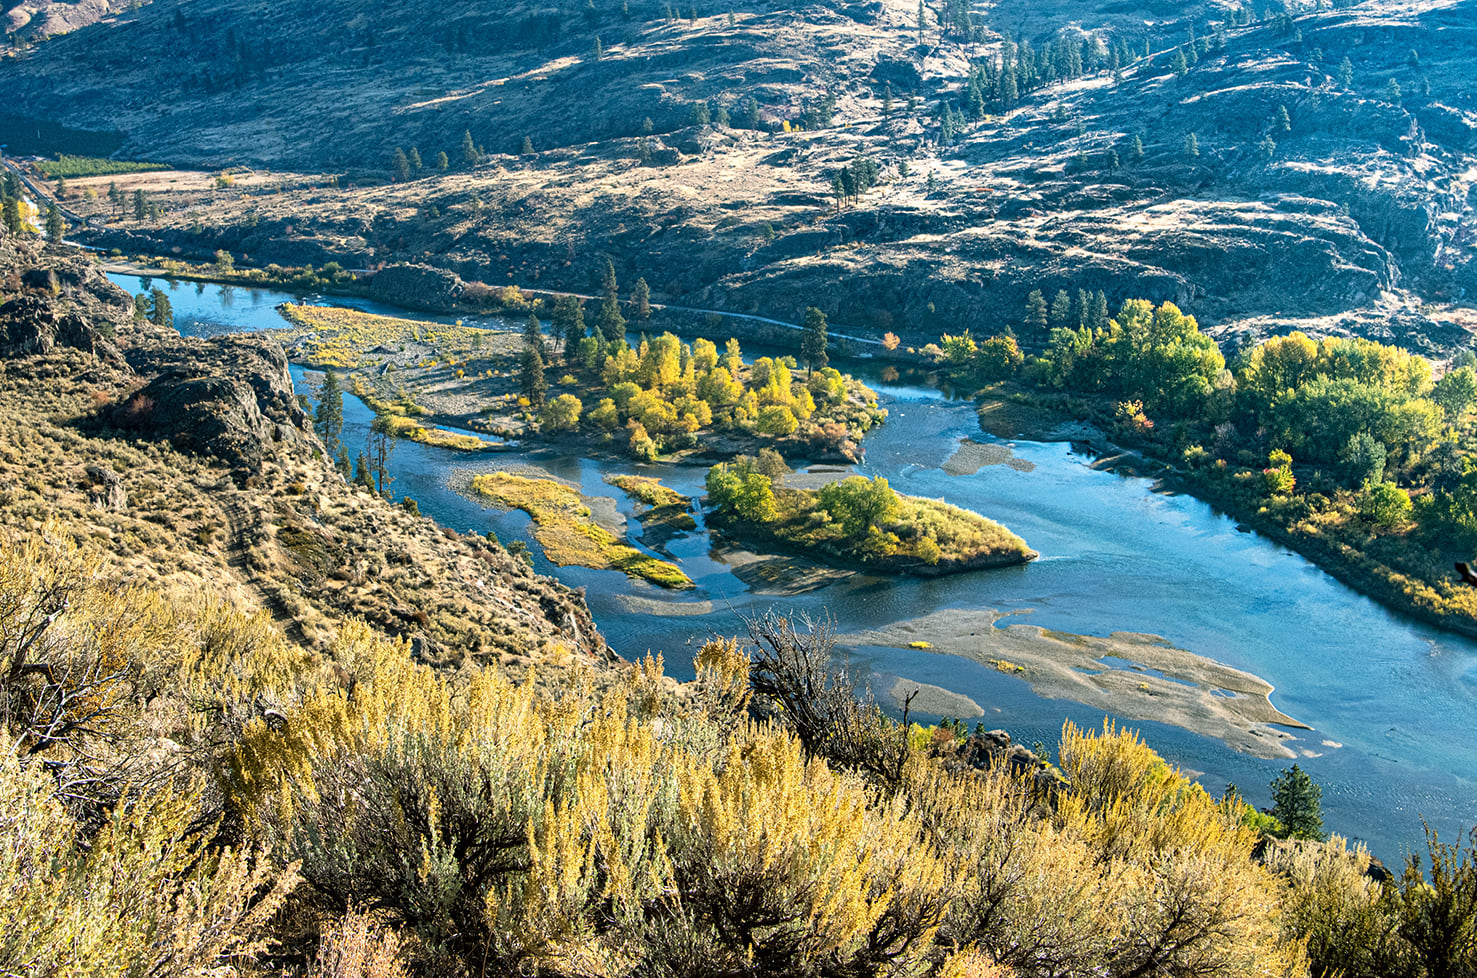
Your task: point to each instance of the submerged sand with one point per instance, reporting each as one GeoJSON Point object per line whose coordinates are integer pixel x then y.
{"type": "Point", "coordinates": [971, 456]}
{"type": "Point", "coordinates": [1139, 677]}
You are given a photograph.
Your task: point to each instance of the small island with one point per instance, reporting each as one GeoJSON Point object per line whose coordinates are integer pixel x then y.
{"type": "Point", "coordinates": [855, 522]}
{"type": "Point", "coordinates": [565, 530]}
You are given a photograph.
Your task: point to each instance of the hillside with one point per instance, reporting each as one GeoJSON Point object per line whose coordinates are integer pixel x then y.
{"type": "Point", "coordinates": [189, 465]}
{"type": "Point", "coordinates": [1352, 215]}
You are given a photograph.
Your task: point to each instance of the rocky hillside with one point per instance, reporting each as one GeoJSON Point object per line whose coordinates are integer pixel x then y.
{"type": "Point", "coordinates": [1310, 168]}
{"type": "Point", "coordinates": [37, 20]}
{"type": "Point", "coordinates": [190, 463]}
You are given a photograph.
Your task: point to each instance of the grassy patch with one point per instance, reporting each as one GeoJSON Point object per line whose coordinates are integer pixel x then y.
{"type": "Point", "coordinates": [403, 427]}
{"type": "Point", "coordinates": [332, 337]}
{"type": "Point", "coordinates": [566, 532]}
{"type": "Point", "coordinates": [666, 506]}
{"type": "Point", "coordinates": [71, 167]}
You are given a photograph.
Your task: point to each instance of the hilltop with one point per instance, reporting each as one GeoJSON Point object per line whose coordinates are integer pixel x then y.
{"type": "Point", "coordinates": [1349, 212]}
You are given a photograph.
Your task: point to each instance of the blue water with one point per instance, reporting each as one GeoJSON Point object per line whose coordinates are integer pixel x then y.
{"type": "Point", "coordinates": [1397, 697]}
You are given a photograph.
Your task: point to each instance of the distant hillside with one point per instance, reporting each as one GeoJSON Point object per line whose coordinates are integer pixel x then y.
{"type": "Point", "coordinates": [1312, 195]}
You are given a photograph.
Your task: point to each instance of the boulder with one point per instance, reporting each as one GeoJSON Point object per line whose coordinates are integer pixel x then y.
{"type": "Point", "coordinates": [417, 287]}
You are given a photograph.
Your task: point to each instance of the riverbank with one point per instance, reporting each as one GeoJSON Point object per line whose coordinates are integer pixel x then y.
{"type": "Point", "coordinates": [1390, 567]}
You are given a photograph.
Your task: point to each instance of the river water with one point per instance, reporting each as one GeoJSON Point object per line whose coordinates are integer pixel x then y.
{"type": "Point", "coordinates": [1392, 702]}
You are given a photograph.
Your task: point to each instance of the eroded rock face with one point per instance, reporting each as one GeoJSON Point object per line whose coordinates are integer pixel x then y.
{"type": "Point", "coordinates": [57, 301]}
{"type": "Point", "coordinates": [229, 397]}
{"type": "Point", "coordinates": [417, 286]}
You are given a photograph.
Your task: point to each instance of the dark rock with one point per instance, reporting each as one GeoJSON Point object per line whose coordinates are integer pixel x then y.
{"type": "Point", "coordinates": [417, 286]}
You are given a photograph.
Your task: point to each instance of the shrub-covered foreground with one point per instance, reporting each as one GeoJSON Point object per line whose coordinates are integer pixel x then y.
{"type": "Point", "coordinates": [182, 792]}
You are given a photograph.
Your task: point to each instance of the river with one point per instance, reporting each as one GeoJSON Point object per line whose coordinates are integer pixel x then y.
{"type": "Point", "coordinates": [1391, 701]}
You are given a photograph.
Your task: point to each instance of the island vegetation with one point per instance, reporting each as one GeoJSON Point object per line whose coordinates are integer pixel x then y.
{"type": "Point", "coordinates": [856, 522]}
{"type": "Point", "coordinates": [664, 506]}
{"type": "Point", "coordinates": [1359, 454]}
{"type": "Point", "coordinates": [564, 528]}
{"type": "Point", "coordinates": [569, 383]}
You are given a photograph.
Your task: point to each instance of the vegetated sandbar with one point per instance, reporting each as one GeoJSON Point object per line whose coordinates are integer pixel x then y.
{"type": "Point", "coordinates": [1153, 681]}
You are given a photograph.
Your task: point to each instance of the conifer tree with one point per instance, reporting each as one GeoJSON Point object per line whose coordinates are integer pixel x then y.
{"type": "Point", "coordinates": [1393, 93]}
{"type": "Point", "coordinates": [1061, 309]}
{"type": "Point", "coordinates": [140, 205]}
{"type": "Point", "coordinates": [527, 148]}
{"type": "Point", "coordinates": [13, 185]}
{"type": "Point", "coordinates": [534, 385]}
{"type": "Point", "coordinates": [1346, 73]}
{"type": "Point", "coordinates": [1297, 802]}
{"type": "Point", "coordinates": [1136, 151]}
{"type": "Point", "coordinates": [1192, 145]}
{"type": "Point", "coordinates": [1180, 65]}
{"type": "Point", "coordinates": [641, 300]}
{"type": "Point", "coordinates": [813, 346]}
{"type": "Point", "coordinates": [569, 322]}
{"type": "Point", "coordinates": [1282, 122]}
{"type": "Point", "coordinates": [470, 156]}
{"type": "Point", "coordinates": [12, 212]}
{"type": "Point", "coordinates": [328, 419]}
{"type": "Point", "coordinates": [1036, 314]}
{"type": "Point", "coordinates": [533, 336]}
{"type": "Point", "coordinates": [414, 157]}
{"type": "Point", "coordinates": [443, 162]}
{"type": "Point", "coordinates": [400, 165]}
{"type": "Point", "coordinates": [56, 228]}
{"type": "Point", "coordinates": [161, 313]}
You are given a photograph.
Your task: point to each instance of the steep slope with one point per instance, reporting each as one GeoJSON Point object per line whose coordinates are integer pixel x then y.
{"type": "Point", "coordinates": [1355, 215]}
{"type": "Point", "coordinates": [190, 463]}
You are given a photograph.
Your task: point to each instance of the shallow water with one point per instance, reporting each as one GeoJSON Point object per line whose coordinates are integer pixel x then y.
{"type": "Point", "coordinates": [1391, 701]}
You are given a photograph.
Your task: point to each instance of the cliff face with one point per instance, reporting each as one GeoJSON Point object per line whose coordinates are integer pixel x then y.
{"type": "Point", "coordinates": [1352, 213]}
{"type": "Point", "coordinates": [190, 462]}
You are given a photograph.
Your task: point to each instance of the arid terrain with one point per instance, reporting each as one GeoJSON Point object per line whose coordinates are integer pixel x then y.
{"type": "Point", "coordinates": [1351, 213]}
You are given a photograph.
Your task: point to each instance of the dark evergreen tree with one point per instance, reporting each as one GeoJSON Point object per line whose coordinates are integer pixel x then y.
{"type": "Point", "coordinates": [641, 300]}
{"type": "Point", "coordinates": [443, 162]}
{"type": "Point", "coordinates": [140, 205]}
{"type": "Point", "coordinates": [328, 419]}
{"type": "Point", "coordinates": [569, 322]}
{"type": "Point", "coordinates": [161, 313]}
{"type": "Point", "coordinates": [470, 155]}
{"type": "Point", "coordinates": [1346, 73]}
{"type": "Point", "coordinates": [56, 228]}
{"type": "Point", "coordinates": [1297, 803]}
{"type": "Point", "coordinates": [813, 346]}
{"type": "Point", "coordinates": [527, 148]}
{"type": "Point", "coordinates": [400, 165]}
{"type": "Point", "coordinates": [414, 157]}
{"type": "Point", "coordinates": [534, 385]}
{"type": "Point", "coordinates": [1061, 310]}
{"type": "Point", "coordinates": [533, 336]}
{"type": "Point", "coordinates": [1036, 313]}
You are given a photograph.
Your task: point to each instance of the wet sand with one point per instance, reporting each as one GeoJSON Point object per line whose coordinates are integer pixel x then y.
{"type": "Point", "coordinates": [1140, 677]}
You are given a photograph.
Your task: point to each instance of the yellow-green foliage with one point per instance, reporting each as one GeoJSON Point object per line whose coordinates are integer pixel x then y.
{"type": "Point", "coordinates": [665, 506]}
{"type": "Point", "coordinates": [566, 532]}
{"type": "Point", "coordinates": [143, 896]}
{"type": "Point", "coordinates": [403, 427]}
{"type": "Point", "coordinates": [866, 521]}
{"type": "Point", "coordinates": [567, 834]}
{"type": "Point", "coordinates": [335, 337]}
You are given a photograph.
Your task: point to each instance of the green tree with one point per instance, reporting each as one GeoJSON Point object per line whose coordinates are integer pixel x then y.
{"type": "Point", "coordinates": [400, 165]}
{"type": "Point", "coordinates": [1036, 312]}
{"type": "Point", "coordinates": [531, 380]}
{"type": "Point", "coordinates": [742, 492]}
{"type": "Point", "coordinates": [328, 419]}
{"type": "Point", "coordinates": [1393, 93]}
{"type": "Point", "coordinates": [1267, 148]}
{"type": "Point", "coordinates": [611, 323]}
{"type": "Point", "coordinates": [381, 446]}
{"type": "Point", "coordinates": [1297, 803]}
{"type": "Point", "coordinates": [569, 322]}
{"type": "Point", "coordinates": [1281, 121]}
{"type": "Point", "coordinates": [1061, 310]}
{"type": "Point", "coordinates": [1346, 73]}
{"type": "Point", "coordinates": [224, 262]}
{"type": "Point", "coordinates": [14, 224]}
{"type": "Point", "coordinates": [561, 414]}
{"type": "Point", "coordinates": [1192, 145]}
{"type": "Point", "coordinates": [1180, 65]}
{"type": "Point", "coordinates": [161, 313]}
{"type": "Point", "coordinates": [533, 336]}
{"type": "Point", "coordinates": [140, 205]}
{"type": "Point", "coordinates": [414, 157]}
{"type": "Point", "coordinates": [56, 228]}
{"type": "Point", "coordinates": [813, 346]}
{"type": "Point", "coordinates": [641, 300]}
{"type": "Point", "coordinates": [1456, 392]}
{"type": "Point", "coordinates": [527, 148]}
{"type": "Point", "coordinates": [470, 156]}
{"type": "Point", "coordinates": [443, 162]}
{"type": "Point", "coordinates": [859, 505]}
{"type": "Point", "coordinates": [1387, 505]}
{"type": "Point", "coordinates": [1136, 151]}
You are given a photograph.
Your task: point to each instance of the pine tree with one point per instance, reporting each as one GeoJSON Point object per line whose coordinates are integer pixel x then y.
{"type": "Point", "coordinates": [1393, 92]}
{"type": "Point", "coordinates": [328, 419]}
{"type": "Point", "coordinates": [887, 99]}
{"type": "Point", "coordinates": [12, 211]}
{"type": "Point", "coordinates": [1267, 147]}
{"type": "Point", "coordinates": [533, 336]}
{"type": "Point", "coordinates": [443, 162]}
{"type": "Point", "coordinates": [1346, 73]}
{"type": "Point", "coordinates": [161, 313]}
{"type": "Point", "coordinates": [641, 300]}
{"type": "Point", "coordinates": [611, 323]}
{"type": "Point", "coordinates": [1061, 309]}
{"type": "Point", "coordinates": [527, 148]}
{"type": "Point", "coordinates": [1136, 152]}
{"type": "Point", "coordinates": [1036, 314]}
{"type": "Point", "coordinates": [140, 205]}
{"type": "Point", "coordinates": [470, 156]}
{"type": "Point", "coordinates": [1297, 802]}
{"type": "Point", "coordinates": [13, 185]}
{"type": "Point", "coordinates": [400, 165]}
{"type": "Point", "coordinates": [1180, 65]}
{"type": "Point", "coordinates": [1192, 145]}
{"type": "Point", "coordinates": [61, 187]}
{"type": "Point", "coordinates": [534, 385]}
{"type": "Point", "coordinates": [56, 228]}
{"type": "Point", "coordinates": [813, 346]}
{"type": "Point", "coordinates": [1098, 318]}
{"type": "Point", "coordinates": [362, 475]}
{"type": "Point", "coordinates": [415, 159]}
{"type": "Point", "coordinates": [569, 322]}
{"type": "Point", "coordinates": [1282, 122]}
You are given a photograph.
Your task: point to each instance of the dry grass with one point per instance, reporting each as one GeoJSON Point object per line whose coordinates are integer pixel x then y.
{"type": "Point", "coordinates": [566, 532]}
